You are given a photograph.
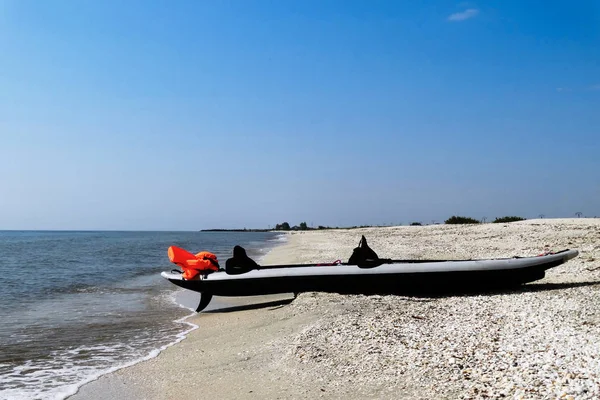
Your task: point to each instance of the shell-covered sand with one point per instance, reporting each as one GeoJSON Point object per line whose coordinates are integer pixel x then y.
{"type": "Point", "coordinates": [541, 342]}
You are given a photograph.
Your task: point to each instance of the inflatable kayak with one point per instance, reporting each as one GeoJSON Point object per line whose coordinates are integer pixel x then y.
{"type": "Point", "coordinates": [360, 275]}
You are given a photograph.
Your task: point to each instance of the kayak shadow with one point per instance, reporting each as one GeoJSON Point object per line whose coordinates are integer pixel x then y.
{"type": "Point", "coordinates": [526, 288]}
{"type": "Point", "coordinates": [542, 287]}
{"type": "Point", "coordinates": [420, 295]}
{"type": "Point", "coordinates": [253, 306]}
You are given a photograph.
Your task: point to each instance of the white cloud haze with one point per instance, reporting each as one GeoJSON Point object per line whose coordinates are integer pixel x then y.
{"type": "Point", "coordinates": [464, 15]}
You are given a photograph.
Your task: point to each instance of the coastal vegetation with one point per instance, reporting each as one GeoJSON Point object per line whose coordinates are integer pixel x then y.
{"type": "Point", "coordinates": [455, 219]}
{"type": "Point", "coordinates": [282, 227]}
{"type": "Point", "coordinates": [285, 226]}
{"type": "Point", "coordinates": [303, 226]}
{"type": "Point", "coordinates": [509, 219]}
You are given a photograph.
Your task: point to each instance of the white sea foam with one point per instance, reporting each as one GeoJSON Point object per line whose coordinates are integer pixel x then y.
{"type": "Point", "coordinates": [62, 372]}
{"type": "Point", "coordinates": [81, 326]}
{"type": "Point", "coordinates": [280, 238]}
{"type": "Point", "coordinates": [45, 384]}
{"type": "Point", "coordinates": [276, 241]}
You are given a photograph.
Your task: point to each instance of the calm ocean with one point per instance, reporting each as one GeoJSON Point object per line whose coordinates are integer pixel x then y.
{"type": "Point", "coordinates": [76, 305]}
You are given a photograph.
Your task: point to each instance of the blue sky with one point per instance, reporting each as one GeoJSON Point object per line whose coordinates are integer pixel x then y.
{"type": "Point", "coordinates": [188, 115]}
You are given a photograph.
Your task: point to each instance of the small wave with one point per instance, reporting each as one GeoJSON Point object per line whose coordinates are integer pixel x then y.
{"type": "Point", "coordinates": [281, 238]}
{"type": "Point", "coordinates": [97, 310]}
{"type": "Point", "coordinates": [277, 241]}
{"type": "Point", "coordinates": [62, 374]}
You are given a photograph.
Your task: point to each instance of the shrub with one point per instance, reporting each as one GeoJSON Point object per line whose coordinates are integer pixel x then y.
{"type": "Point", "coordinates": [415, 224]}
{"type": "Point", "coordinates": [460, 220]}
{"type": "Point", "coordinates": [509, 219]}
{"type": "Point", "coordinates": [282, 227]}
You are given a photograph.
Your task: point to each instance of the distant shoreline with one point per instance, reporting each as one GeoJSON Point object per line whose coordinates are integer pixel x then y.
{"type": "Point", "coordinates": [321, 228]}
{"type": "Point", "coordinates": [238, 230]}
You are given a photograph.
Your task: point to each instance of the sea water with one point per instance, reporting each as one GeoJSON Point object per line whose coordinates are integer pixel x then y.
{"type": "Point", "coordinates": [76, 305]}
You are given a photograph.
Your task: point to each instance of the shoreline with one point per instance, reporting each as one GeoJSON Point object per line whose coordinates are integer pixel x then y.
{"type": "Point", "coordinates": [186, 301]}
{"type": "Point", "coordinates": [533, 343]}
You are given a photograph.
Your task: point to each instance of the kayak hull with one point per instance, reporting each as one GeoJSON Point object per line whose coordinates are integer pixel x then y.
{"type": "Point", "coordinates": [397, 277]}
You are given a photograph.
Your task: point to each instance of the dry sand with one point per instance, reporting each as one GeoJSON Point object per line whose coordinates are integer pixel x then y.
{"type": "Point", "coordinates": [541, 342]}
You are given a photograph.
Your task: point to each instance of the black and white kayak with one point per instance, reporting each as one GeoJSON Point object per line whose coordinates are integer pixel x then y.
{"type": "Point", "coordinates": [370, 275]}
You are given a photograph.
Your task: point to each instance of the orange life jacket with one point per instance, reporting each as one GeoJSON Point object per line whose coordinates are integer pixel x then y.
{"type": "Point", "coordinates": [193, 264]}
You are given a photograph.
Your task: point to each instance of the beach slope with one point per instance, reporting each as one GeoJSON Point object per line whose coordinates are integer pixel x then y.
{"type": "Point", "coordinates": [537, 342]}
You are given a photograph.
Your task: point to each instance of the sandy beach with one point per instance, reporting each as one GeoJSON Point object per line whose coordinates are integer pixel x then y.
{"type": "Point", "coordinates": [540, 342]}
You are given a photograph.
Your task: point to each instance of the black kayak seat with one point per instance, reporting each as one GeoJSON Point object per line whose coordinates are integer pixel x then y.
{"type": "Point", "coordinates": [240, 263]}
{"type": "Point", "coordinates": [363, 255]}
